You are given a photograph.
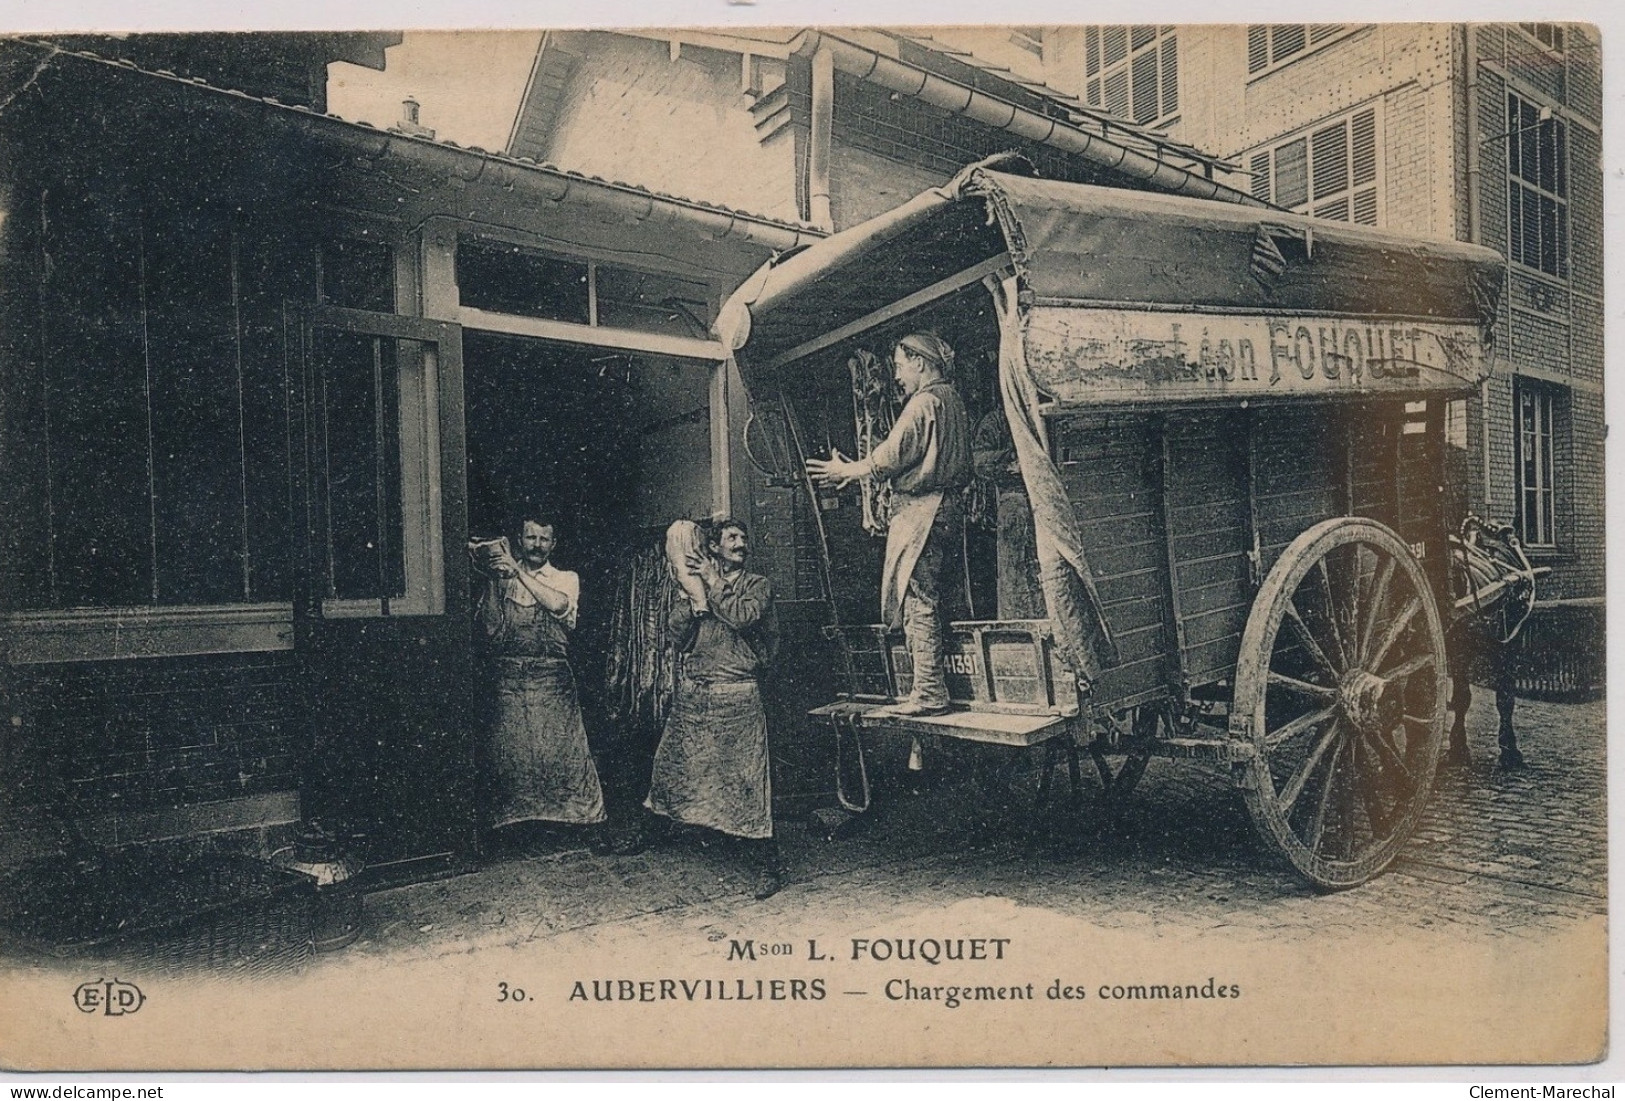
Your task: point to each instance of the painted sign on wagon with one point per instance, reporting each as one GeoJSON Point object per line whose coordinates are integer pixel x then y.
{"type": "Point", "coordinates": [1087, 356]}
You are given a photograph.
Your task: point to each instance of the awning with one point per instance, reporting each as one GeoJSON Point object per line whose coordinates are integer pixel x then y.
{"type": "Point", "coordinates": [1304, 294]}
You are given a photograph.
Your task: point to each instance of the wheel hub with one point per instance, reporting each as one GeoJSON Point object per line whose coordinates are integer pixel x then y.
{"type": "Point", "coordinates": [1360, 699]}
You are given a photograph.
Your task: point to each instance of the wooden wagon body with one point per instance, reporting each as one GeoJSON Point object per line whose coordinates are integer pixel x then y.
{"type": "Point", "coordinates": [1231, 426]}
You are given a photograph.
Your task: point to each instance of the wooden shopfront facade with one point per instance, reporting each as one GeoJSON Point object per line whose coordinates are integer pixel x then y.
{"type": "Point", "coordinates": [262, 373]}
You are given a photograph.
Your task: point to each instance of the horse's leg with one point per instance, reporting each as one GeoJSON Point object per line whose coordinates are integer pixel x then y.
{"type": "Point", "coordinates": [1511, 757]}
{"type": "Point", "coordinates": [1461, 697]}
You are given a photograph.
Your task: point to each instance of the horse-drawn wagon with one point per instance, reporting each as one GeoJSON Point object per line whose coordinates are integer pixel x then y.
{"type": "Point", "coordinates": [1235, 435]}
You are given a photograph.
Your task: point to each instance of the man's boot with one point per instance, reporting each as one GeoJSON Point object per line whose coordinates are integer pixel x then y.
{"type": "Point", "coordinates": [771, 875]}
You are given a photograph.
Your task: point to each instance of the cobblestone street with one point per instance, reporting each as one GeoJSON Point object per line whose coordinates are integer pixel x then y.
{"type": "Point", "coordinates": [1502, 853]}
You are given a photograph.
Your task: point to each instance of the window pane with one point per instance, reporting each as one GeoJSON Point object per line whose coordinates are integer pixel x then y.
{"type": "Point", "coordinates": [1094, 93]}
{"type": "Point", "coordinates": [1514, 160]}
{"type": "Point", "coordinates": [274, 265]}
{"type": "Point", "coordinates": [652, 303]}
{"type": "Point", "coordinates": [1331, 160]}
{"type": "Point", "coordinates": [1261, 176]}
{"type": "Point", "coordinates": [1286, 40]}
{"type": "Point", "coordinates": [507, 279]}
{"type": "Point", "coordinates": [1323, 31]}
{"type": "Point", "coordinates": [1562, 241]}
{"type": "Point", "coordinates": [1548, 235]}
{"type": "Point", "coordinates": [1337, 208]}
{"type": "Point", "coordinates": [1561, 150]}
{"type": "Point", "coordinates": [1143, 36]}
{"type": "Point", "coordinates": [1292, 174]}
{"type": "Point", "coordinates": [1117, 93]}
{"type": "Point", "coordinates": [1528, 139]}
{"type": "Point", "coordinates": [1091, 47]}
{"type": "Point", "coordinates": [1531, 228]}
{"type": "Point", "coordinates": [1547, 134]}
{"type": "Point", "coordinates": [95, 374]}
{"type": "Point", "coordinates": [1515, 223]}
{"type": "Point", "coordinates": [1365, 208]}
{"type": "Point", "coordinates": [360, 404]}
{"type": "Point", "coordinates": [1116, 44]}
{"type": "Point", "coordinates": [197, 441]}
{"type": "Point", "coordinates": [1364, 141]}
{"type": "Point", "coordinates": [1144, 70]}
{"type": "Point", "coordinates": [1258, 48]}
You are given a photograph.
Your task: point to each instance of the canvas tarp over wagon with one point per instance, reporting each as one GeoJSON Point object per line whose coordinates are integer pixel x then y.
{"type": "Point", "coordinates": [1231, 427]}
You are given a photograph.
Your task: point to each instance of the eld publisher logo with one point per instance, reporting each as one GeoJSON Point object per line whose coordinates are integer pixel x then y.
{"type": "Point", "coordinates": [108, 996]}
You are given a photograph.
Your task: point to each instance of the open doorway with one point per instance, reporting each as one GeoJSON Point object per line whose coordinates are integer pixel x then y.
{"type": "Point", "coordinates": [614, 446]}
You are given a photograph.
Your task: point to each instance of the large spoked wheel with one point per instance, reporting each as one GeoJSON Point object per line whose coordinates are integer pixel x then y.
{"type": "Point", "coordinates": [1341, 690]}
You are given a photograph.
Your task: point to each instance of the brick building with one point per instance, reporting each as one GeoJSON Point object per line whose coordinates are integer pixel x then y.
{"type": "Point", "coordinates": [1490, 134]}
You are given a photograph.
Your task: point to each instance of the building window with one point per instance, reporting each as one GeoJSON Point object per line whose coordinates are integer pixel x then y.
{"type": "Point", "coordinates": [1030, 39]}
{"type": "Point", "coordinates": [1330, 172]}
{"type": "Point", "coordinates": [1538, 188]}
{"type": "Point", "coordinates": [504, 278]}
{"type": "Point", "coordinates": [153, 446]}
{"type": "Point", "coordinates": [1549, 35]}
{"type": "Point", "coordinates": [1269, 45]}
{"type": "Point", "coordinates": [1133, 72]}
{"type": "Point", "coordinates": [1535, 405]}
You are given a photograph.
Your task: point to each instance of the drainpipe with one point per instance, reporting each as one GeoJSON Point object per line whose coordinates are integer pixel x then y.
{"type": "Point", "coordinates": [823, 119]}
{"type": "Point", "coordinates": [1469, 56]}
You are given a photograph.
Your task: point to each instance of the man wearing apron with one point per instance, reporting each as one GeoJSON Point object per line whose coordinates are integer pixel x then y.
{"type": "Point", "coordinates": [927, 457]}
{"type": "Point", "coordinates": [540, 767]}
{"type": "Point", "coordinates": [712, 766]}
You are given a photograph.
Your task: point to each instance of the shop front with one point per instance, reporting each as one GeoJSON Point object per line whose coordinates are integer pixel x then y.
{"type": "Point", "coordinates": [265, 374]}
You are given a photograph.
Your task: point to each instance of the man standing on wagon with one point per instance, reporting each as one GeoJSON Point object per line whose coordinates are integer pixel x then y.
{"type": "Point", "coordinates": [927, 457]}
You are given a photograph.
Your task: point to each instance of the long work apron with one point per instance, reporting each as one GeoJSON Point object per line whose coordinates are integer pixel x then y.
{"type": "Point", "coordinates": [911, 520]}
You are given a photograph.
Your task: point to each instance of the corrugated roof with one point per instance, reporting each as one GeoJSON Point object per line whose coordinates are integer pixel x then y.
{"type": "Point", "coordinates": [524, 163]}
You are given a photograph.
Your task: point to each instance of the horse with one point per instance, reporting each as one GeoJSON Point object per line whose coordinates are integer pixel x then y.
{"type": "Point", "coordinates": [1492, 586]}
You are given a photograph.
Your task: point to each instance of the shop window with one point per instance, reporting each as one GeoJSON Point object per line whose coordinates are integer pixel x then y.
{"type": "Point", "coordinates": [1536, 407]}
{"type": "Point", "coordinates": [505, 278]}
{"type": "Point", "coordinates": [1133, 71]}
{"type": "Point", "coordinates": [153, 451]}
{"type": "Point", "coordinates": [373, 474]}
{"type": "Point", "coordinates": [1330, 172]}
{"type": "Point", "coordinates": [1269, 45]}
{"type": "Point", "coordinates": [1538, 188]}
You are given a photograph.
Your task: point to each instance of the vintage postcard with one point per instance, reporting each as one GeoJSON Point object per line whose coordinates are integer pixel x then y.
{"type": "Point", "coordinates": [803, 546]}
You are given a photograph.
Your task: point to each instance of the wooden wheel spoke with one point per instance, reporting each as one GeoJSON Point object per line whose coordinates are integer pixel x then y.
{"type": "Point", "coordinates": [1405, 669]}
{"type": "Point", "coordinates": [1391, 635]}
{"type": "Point", "coordinates": [1381, 819]}
{"type": "Point", "coordinates": [1295, 618]}
{"type": "Point", "coordinates": [1102, 766]}
{"type": "Point", "coordinates": [1317, 821]}
{"type": "Point", "coordinates": [1294, 787]}
{"type": "Point", "coordinates": [1331, 611]}
{"type": "Point", "coordinates": [1319, 692]}
{"type": "Point", "coordinates": [1389, 752]}
{"type": "Point", "coordinates": [1374, 606]}
{"type": "Point", "coordinates": [1299, 725]}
